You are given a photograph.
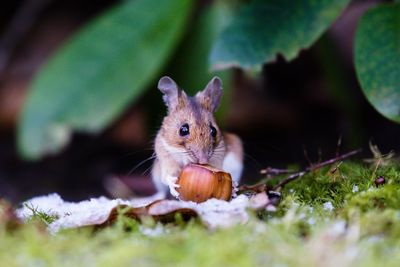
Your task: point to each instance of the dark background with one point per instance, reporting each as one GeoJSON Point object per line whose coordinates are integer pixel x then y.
{"type": "Point", "coordinates": [306, 104]}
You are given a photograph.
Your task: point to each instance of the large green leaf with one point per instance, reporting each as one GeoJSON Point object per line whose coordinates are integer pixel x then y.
{"type": "Point", "coordinates": [102, 69]}
{"type": "Point", "coordinates": [377, 58]}
{"type": "Point", "coordinates": [262, 29]}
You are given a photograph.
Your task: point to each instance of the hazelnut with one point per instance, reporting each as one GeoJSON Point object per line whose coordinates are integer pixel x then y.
{"type": "Point", "coordinates": [201, 182]}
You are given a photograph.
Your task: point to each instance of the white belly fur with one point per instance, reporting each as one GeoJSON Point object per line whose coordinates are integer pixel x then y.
{"type": "Point", "coordinates": [233, 166]}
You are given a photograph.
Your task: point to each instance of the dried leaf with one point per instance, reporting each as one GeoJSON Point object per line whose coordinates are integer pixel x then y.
{"type": "Point", "coordinates": [8, 216]}
{"type": "Point", "coordinates": [101, 211]}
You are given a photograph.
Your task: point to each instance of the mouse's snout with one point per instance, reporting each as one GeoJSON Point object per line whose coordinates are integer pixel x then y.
{"type": "Point", "coordinates": [202, 157]}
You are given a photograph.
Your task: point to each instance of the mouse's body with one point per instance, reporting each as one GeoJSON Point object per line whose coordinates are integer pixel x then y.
{"type": "Point", "coordinates": [189, 134]}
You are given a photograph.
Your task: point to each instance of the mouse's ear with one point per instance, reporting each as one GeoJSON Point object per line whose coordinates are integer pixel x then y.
{"type": "Point", "coordinates": [173, 96]}
{"type": "Point", "coordinates": [210, 97]}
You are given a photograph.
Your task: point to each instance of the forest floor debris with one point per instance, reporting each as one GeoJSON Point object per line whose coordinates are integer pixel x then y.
{"type": "Point", "coordinates": [321, 220]}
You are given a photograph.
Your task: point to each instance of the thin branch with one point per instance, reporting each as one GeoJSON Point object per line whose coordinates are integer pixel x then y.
{"type": "Point", "coordinates": [331, 161]}
{"type": "Point", "coordinates": [297, 175]}
{"type": "Point", "coordinates": [289, 179]}
{"type": "Point", "coordinates": [258, 188]}
{"type": "Point", "coordinates": [269, 171]}
{"type": "Point", "coordinates": [376, 168]}
{"type": "Point", "coordinates": [334, 170]}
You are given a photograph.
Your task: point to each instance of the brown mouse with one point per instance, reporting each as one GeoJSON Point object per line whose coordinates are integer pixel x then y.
{"type": "Point", "coordinates": [190, 134]}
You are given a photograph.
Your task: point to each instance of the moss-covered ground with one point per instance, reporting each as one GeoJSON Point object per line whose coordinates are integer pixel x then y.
{"type": "Point", "coordinates": [326, 218]}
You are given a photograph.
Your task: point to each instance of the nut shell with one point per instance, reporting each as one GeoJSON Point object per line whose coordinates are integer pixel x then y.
{"type": "Point", "coordinates": [199, 183]}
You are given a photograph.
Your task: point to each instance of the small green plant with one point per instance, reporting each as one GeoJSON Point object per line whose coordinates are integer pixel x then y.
{"type": "Point", "coordinates": [38, 215]}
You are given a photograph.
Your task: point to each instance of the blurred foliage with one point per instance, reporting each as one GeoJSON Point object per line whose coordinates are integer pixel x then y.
{"type": "Point", "coordinates": [99, 72]}
{"type": "Point", "coordinates": [377, 58]}
{"type": "Point", "coordinates": [263, 29]}
{"type": "Point", "coordinates": [107, 65]}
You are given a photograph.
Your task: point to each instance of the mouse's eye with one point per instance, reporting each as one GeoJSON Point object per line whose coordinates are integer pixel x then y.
{"type": "Point", "coordinates": [213, 131]}
{"type": "Point", "coordinates": [184, 130]}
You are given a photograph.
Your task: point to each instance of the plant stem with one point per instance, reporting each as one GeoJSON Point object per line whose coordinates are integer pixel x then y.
{"type": "Point", "coordinates": [314, 167]}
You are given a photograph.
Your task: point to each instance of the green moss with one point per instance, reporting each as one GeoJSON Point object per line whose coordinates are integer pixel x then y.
{"type": "Point", "coordinates": [40, 216]}
{"type": "Point", "coordinates": [363, 229]}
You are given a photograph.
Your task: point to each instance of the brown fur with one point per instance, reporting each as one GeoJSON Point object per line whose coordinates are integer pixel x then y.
{"type": "Point", "coordinates": [234, 145]}
{"type": "Point", "coordinates": [174, 151]}
{"type": "Point", "coordinates": [199, 140]}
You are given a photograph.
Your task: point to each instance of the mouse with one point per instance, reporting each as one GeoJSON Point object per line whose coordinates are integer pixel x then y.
{"type": "Point", "coordinates": [189, 133]}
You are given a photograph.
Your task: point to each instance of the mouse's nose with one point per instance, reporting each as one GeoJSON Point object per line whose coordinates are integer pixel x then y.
{"type": "Point", "coordinates": [202, 158]}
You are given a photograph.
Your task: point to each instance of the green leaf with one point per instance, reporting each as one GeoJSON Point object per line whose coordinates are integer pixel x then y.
{"type": "Point", "coordinates": [377, 58]}
{"type": "Point", "coordinates": [99, 72]}
{"type": "Point", "coordinates": [262, 29]}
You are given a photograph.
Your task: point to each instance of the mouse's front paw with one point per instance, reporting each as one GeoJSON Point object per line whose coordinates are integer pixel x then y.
{"type": "Point", "coordinates": [171, 182]}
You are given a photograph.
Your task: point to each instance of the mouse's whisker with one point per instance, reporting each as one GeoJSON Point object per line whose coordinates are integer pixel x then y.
{"type": "Point", "coordinates": [141, 163]}
{"type": "Point", "coordinates": [146, 171]}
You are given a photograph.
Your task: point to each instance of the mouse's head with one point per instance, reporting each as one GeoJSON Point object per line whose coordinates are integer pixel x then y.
{"type": "Point", "coordinates": [189, 131]}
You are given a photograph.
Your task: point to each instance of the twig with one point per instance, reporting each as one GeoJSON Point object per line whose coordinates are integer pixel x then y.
{"type": "Point", "coordinates": [333, 170]}
{"type": "Point", "coordinates": [336, 159]}
{"type": "Point", "coordinates": [289, 179]}
{"type": "Point", "coordinates": [274, 171]}
{"type": "Point", "coordinates": [258, 188]}
{"type": "Point", "coordinates": [376, 168]}
{"type": "Point", "coordinates": [294, 176]}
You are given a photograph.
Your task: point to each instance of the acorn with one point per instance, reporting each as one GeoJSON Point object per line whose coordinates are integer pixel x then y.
{"type": "Point", "coordinates": [199, 183]}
